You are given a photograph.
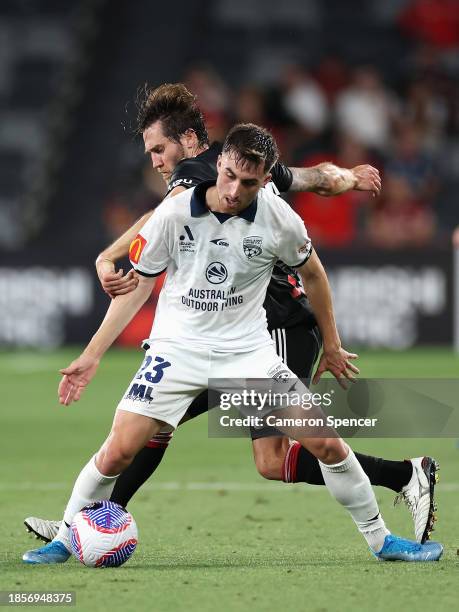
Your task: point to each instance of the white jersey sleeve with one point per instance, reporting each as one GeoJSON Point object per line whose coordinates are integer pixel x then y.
{"type": "Point", "coordinates": [271, 188]}
{"type": "Point", "coordinates": [149, 252]}
{"type": "Point", "coordinates": [294, 246]}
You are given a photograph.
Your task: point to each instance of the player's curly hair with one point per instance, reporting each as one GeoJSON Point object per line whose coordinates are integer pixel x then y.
{"type": "Point", "coordinates": [251, 144]}
{"type": "Point", "coordinates": [175, 106]}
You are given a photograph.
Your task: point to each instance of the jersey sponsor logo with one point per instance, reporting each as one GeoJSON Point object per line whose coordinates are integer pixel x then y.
{"type": "Point", "coordinates": [136, 248]}
{"type": "Point", "coordinates": [212, 300]}
{"type": "Point", "coordinates": [252, 246]}
{"type": "Point", "coordinates": [216, 273]}
{"type": "Point", "coordinates": [220, 242]}
{"type": "Point", "coordinates": [183, 181]}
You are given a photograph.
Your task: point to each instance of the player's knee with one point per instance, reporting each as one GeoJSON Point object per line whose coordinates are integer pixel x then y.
{"type": "Point", "coordinates": [269, 466]}
{"type": "Point", "coordinates": [116, 459]}
{"type": "Point", "coordinates": [329, 450]}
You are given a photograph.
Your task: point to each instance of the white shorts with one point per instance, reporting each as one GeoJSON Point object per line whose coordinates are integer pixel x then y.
{"type": "Point", "coordinates": [172, 375]}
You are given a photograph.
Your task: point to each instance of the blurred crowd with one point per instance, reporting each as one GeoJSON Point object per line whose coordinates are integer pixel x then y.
{"type": "Point", "coordinates": [407, 126]}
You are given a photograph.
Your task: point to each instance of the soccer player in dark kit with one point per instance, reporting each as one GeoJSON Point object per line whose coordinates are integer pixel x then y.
{"type": "Point", "coordinates": [176, 139]}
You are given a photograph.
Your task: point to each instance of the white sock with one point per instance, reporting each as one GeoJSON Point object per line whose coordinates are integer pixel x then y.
{"type": "Point", "coordinates": [90, 486]}
{"type": "Point", "coordinates": [350, 486]}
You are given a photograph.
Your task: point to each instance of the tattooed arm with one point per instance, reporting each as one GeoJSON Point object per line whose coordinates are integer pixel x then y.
{"type": "Point", "coordinates": [326, 179]}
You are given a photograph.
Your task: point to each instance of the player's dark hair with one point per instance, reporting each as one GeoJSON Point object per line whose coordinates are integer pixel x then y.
{"type": "Point", "coordinates": [251, 144]}
{"type": "Point", "coordinates": [175, 107]}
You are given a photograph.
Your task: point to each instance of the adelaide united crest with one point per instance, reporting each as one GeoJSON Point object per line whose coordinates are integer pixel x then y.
{"type": "Point", "coordinates": [252, 246]}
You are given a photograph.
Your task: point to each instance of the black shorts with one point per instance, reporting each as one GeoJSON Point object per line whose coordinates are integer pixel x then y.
{"type": "Point", "coordinates": [299, 348]}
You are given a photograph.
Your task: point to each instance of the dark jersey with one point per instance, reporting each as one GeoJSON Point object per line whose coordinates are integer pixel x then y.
{"type": "Point", "coordinates": [285, 303]}
{"type": "Point", "coordinates": [189, 172]}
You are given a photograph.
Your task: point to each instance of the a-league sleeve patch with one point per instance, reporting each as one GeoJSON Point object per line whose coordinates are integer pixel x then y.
{"type": "Point", "coordinates": [306, 249]}
{"type": "Point", "coordinates": [136, 248]}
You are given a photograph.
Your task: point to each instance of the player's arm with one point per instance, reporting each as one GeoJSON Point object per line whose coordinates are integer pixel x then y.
{"type": "Point", "coordinates": [326, 179]}
{"type": "Point", "coordinates": [150, 259]}
{"type": "Point", "coordinates": [122, 309]}
{"type": "Point", "coordinates": [114, 283]}
{"type": "Point", "coordinates": [334, 358]}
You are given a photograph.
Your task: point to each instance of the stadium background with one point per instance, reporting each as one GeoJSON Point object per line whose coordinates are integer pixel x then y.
{"type": "Point", "coordinates": [353, 82]}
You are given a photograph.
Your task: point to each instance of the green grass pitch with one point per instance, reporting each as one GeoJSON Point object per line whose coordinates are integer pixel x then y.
{"type": "Point", "coordinates": [213, 534]}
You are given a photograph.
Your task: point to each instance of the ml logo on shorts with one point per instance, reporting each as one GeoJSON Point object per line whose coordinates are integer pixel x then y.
{"type": "Point", "coordinates": [252, 246]}
{"type": "Point", "coordinates": [216, 273]}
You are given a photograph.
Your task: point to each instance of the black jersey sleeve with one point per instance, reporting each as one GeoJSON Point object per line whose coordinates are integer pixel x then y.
{"type": "Point", "coordinates": [282, 176]}
{"type": "Point", "coordinates": [190, 172]}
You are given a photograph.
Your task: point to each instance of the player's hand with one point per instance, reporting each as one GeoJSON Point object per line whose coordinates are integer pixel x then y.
{"type": "Point", "coordinates": [339, 363]}
{"type": "Point", "coordinates": [75, 378]}
{"type": "Point", "coordinates": [114, 283]}
{"type": "Point", "coordinates": [367, 179]}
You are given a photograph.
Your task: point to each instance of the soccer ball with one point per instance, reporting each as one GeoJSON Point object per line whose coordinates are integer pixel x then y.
{"type": "Point", "coordinates": [103, 534]}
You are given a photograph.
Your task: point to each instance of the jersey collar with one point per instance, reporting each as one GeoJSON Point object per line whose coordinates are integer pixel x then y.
{"type": "Point", "coordinates": [198, 205]}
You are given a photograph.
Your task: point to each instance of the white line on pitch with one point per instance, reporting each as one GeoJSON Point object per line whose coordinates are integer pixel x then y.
{"type": "Point", "coordinates": [250, 487]}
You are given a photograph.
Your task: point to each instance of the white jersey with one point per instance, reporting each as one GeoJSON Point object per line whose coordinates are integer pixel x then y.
{"type": "Point", "coordinates": [218, 267]}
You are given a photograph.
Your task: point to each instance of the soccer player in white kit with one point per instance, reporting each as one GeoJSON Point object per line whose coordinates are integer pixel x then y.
{"type": "Point", "coordinates": [210, 323]}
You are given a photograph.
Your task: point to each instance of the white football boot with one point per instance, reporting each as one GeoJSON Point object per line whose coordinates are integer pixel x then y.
{"type": "Point", "coordinates": [418, 495]}
{"type": "Point", "coordinates": [43, 529]}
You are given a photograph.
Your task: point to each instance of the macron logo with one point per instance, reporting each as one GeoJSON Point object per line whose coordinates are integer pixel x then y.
{"type": "Point", "coordinates": [220, 242]}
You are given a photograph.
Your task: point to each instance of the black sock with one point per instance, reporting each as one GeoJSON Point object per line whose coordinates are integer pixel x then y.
{"type": "Point", "coordinates": [144, 464]}
{"type": "Point", "coordinates": [390, 474]}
